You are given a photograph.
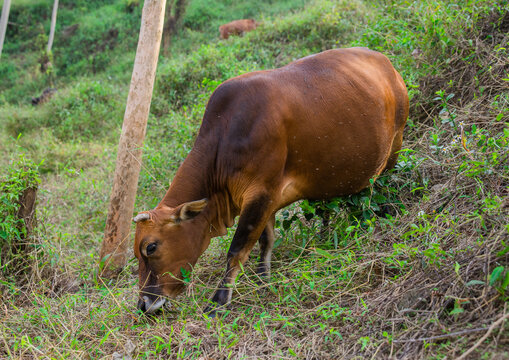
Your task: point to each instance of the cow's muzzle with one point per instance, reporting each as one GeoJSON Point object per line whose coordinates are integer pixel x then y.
{"type": "Point", "coordinates": [150, 302]}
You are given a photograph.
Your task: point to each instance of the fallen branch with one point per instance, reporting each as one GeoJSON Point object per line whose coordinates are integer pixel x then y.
{"type": "Point", "coordinates": [439, 337]}
{"type": "Point", "coordinates": [479, 342]}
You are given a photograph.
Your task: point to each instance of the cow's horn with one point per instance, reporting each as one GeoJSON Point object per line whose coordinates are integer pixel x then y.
{"type": "Point", "coordinates": [141, 217]}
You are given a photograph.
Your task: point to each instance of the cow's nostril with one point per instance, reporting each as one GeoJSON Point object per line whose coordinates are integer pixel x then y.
{"type": "Point", "coordinates": [150, 306]}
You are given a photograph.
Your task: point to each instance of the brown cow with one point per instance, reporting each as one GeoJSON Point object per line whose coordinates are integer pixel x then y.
{"type": "Point", "coordinates": [237, 27]}
{"type": "Point", "coordinates": [320, 127]}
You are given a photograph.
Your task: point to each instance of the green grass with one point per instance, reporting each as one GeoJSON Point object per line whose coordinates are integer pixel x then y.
{"type": "Point", "coordinates": [422, 253]}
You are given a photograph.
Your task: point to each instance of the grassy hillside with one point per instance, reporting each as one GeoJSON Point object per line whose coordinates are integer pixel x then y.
{"type": "Point", "coordinates": [416, 266]}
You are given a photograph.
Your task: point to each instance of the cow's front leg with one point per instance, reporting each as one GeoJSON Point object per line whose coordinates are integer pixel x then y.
{"type": "Point", "coordinates": [252, 221]}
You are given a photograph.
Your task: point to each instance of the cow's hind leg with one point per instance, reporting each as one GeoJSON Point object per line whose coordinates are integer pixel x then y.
{"type": "Point", "coordinates": [266, 242]}
{"type": "Point", "coordinates": [396, 146]}
{"type": "Point", "coordinates": [391, 163]}
{"type": "Point", "coordinates": [253, 220]}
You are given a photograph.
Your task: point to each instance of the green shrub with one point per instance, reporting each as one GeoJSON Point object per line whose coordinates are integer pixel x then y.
{"type": "Point", "coordinates": [421, 37]}
{"type": "Point", "coordinates": [21, 176]}
{"type": "Point", "coordinates": [8, 73]}
{"type": "Point", "coordinates": [90, 48]}
{"type": "Point", "coordinates": [207, 15]}
{"type": "Point", "coordinates": [200, 13]}
{"type": "Point", "coordinates": [92, 109]}
{"type": "Point", "coordinates": [322, 26]}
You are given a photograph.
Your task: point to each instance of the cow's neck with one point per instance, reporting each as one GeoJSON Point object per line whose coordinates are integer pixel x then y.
{"type": "Point", "coordinates": [194, 181]}
{"type": "Point", "coordinates": [221, 213]}
{"type": "Point", "coordinates": [189, 184]}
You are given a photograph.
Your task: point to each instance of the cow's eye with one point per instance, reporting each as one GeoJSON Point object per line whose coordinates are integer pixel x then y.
{"type": "Point", "coordinates": [151, 248]}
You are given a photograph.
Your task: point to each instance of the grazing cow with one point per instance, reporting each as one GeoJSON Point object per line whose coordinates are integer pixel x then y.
{"type": "Point", "coordinates": [317, 128]}
{"type": "Point", "coordinates": [237, 27]}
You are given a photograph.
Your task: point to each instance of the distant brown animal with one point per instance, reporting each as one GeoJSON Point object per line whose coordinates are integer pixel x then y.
{"type": "Point", "coordinates": [320, 127]}
{"type": "Point", "coordinates": [237, 27]}
{"type": "Point", "coordinates": [45, 96]}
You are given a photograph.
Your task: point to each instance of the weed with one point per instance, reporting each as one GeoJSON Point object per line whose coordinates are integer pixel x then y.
{"type": "Point", "coordinates": [20, 182]}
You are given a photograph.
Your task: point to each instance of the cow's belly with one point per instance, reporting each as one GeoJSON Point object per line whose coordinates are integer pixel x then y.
{"type": "Point", "coordinates": [323, 172]}
{"type": "Point", "coordinates": [320, 187]}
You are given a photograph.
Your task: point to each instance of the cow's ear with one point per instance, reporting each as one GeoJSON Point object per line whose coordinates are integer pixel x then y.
{"type": "Point", "coordinates": [191, 209]}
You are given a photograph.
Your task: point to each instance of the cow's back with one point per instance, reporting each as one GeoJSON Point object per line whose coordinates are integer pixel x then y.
{"type": "Point", "coordinates": [319, 127]}
{"type": "Point", "coordinates": [237, 27]}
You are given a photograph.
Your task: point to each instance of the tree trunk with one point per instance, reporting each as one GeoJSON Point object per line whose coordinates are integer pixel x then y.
{"type": "Point", "coordinates": [53, 24]}
{"type": "Point", "coordinates": [118, 223]}
{"type": "Point", "coordinates": [26, 210]}
{"type": "Point", "coordinates": [180, 9]}
{"type": "Point", "coordinates": [3, 22]}
{"type": "Point", "coordinates": [173, 22]}
{"type": "Point", "coordinates": [168, 28]}
{"type": "Point", "coordinates": [26, 213]}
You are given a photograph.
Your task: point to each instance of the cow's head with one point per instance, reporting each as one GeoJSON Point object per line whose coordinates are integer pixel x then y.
{"type": "Point", "coordinates": [168, 240]}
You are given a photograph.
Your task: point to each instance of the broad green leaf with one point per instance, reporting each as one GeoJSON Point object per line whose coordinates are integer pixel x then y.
{"type": "Point", "coordinates": [495, 274]}
{"type": "Point", "coordinates": [457, 310]}
{"type": "Point", "coordinates": [324, 253]}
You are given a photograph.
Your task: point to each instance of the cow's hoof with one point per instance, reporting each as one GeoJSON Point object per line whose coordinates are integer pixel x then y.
{"type": "Point", "coordinates": [214, 310]}
{"type": "Point", "coordinates": [263, 276]}
{"type": "Point", "coordinates": [210, 311]}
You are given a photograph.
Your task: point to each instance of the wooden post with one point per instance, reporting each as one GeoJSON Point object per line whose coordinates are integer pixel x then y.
{"type": "Point", "coordinates": [3, 22]}
{"type": "Point", "coordinates": [125, 182]}
{"type": "Point", "coordinates": [26, 210]}
{"type": "Point", "coordinates": [53, 24]}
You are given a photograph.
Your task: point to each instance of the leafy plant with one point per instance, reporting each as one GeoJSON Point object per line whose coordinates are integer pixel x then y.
{"type": "Point", "coordinates": [21, 175]}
